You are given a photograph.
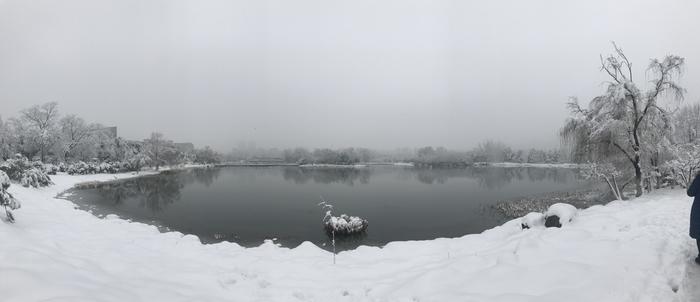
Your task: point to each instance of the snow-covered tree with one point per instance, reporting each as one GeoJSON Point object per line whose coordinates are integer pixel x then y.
{"type": "Point", "coordinates": [493, 151]}
{"type": "Point", "coordinates": [686, 124]}
{"type": "Point", "coordinates": [40, 125]}
{"type": "Point", "coordinates": [625, 120]}
{"type": "Point", "coordinates": [536, 156]}
{"type": "Point", "coordinates": [209, 156]}
{"type": "Point", "coordinates": [6, 150]}
{"type": "Point", "coordinates": [78, 138]}
{"type": "Point", "coordinates": [156, 146]}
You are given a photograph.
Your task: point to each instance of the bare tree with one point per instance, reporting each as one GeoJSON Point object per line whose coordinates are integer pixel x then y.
{"type": "Point", "coordinates": [40, 121]}
{"type": "Point", "coordinates": [625, 120]}
{"type": "Point", "coordinates": [605, 172]}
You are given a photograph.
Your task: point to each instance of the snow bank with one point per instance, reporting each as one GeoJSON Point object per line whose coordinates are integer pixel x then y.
{"type": "Point", "coordinates": [636, 250]}
{"type": "Point", "coordinates": [333, 166]}
{"type": "Point", "coordinates": [532, 165]}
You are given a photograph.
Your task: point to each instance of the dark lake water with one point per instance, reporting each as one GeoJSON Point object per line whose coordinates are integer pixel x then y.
{"type": "Point", "coordinates": [249, 204]}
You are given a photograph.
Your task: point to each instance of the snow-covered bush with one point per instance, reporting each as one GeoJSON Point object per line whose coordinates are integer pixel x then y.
{"type": "Point", "coordinates": [27, 173]}
{"type": "Point", "coordinates": [35, 178]}
{"type": "Point", "coordinates": [559, 214]}
{"type": "Point", "coordinates": [50, 169]}
{"type": "Point", "coordinates": [685, 163]}
{"type": "Point", "coordinates": [345, 225]}
{"type": "Point", "coordinates": [7, 201]}
{"type": "Point", "coordinates": [82, 168]}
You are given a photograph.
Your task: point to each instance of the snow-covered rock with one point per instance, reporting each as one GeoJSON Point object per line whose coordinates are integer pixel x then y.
{"type": "Point", "coordinates": [559, 214]}
{"type": "Point", "coordinates": [532, 220]}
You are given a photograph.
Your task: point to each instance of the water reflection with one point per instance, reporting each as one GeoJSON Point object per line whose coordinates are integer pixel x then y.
{"type": "Point", "coordinates": [486, 177]}
{"type": "Point", "coordinates": [495, 178]}
{"type": "Point", "coordinates": [155, 192]}
{"type": "Point", "coordinates": [348, 176]}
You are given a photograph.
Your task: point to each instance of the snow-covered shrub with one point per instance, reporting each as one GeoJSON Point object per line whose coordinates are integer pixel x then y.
{"type": "Point", "coordinates": [50, 169]}
{"type": "Point", "coordinates": [35, 178]}
{"type": "Point", "coordinates": [345, 225]}
{"type": "Point", "coordinates": [685, 163]}
{"type": "Point", "coordinates": [7, 201]}
{"type": "Point", "coordinates": [27, 173]}
{"type": "Point", "coordinates": [82, 168]}
{"type": "Point", "coordinates": [532, 220]}
{"type": "Point", "coordinates": [559, 214]}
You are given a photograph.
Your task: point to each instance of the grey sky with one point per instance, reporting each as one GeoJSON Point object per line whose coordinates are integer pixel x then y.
{"type": "Point", "coordinates": [378, 74]}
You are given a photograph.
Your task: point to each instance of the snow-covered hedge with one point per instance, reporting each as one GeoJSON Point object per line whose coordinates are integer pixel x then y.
{"type": "Point", "coordinates": [83, 168]}
{"type": "Point", "coordinates": [27, 173]}
{"type": "Point", "coordinates": [345, 225]}
{"type": "Point", "coordinates": [7, 201]}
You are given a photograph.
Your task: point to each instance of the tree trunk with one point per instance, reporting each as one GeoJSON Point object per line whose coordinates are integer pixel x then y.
{"type": "Point", "coordinates": [638, 178]}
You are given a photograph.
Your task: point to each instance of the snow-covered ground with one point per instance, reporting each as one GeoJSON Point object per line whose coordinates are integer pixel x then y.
{"type": "Point", "coordinates": [635, 250]}
{"type": "Point", "coordinates": [533, 165]}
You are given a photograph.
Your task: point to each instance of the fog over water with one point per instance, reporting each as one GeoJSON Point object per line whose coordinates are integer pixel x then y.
{"type": "Point", "coordinates": [331, 73]}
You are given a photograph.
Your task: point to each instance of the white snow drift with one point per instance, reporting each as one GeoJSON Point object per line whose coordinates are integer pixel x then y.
{"type": "Point", "coordinates": [636, 250]}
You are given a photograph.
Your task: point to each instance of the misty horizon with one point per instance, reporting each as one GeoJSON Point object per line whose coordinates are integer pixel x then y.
{"type": "Point", "coordinates": [398, 74]}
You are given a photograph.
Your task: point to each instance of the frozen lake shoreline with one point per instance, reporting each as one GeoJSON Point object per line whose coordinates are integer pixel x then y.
{"type": "Point", "coordinates": [624, 251]}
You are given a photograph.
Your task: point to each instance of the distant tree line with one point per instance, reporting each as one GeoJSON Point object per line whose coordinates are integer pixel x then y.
{"type": "Point", "coordinates": [489, 151]}
{"type": "Point", "coordinates": [41, 133]}
{"type": "Point", "coordinates": [486, 152]}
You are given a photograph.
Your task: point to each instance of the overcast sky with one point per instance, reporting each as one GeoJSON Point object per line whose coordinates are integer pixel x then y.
{"type": "Point", "coordinates": [325, 73]}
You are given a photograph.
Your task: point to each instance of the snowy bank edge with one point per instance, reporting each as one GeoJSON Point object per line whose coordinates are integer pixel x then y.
{"type": "Point", "coordinates": [530, 165]}
{"type": "Point", "coordinates": [66, 182]}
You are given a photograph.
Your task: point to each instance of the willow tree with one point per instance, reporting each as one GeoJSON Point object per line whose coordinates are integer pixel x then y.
{"type": "Point", "coordinates": [625, 121]}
